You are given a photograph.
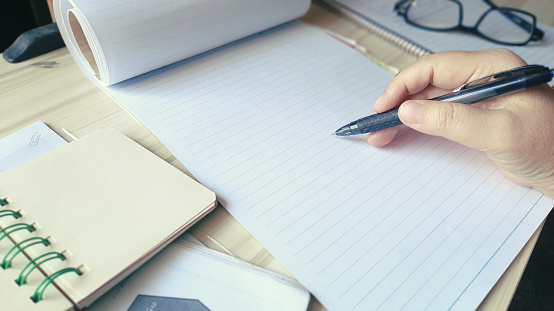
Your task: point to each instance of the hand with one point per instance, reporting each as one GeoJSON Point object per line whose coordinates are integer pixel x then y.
{"type": "Point", "coordinates": [516, 131]}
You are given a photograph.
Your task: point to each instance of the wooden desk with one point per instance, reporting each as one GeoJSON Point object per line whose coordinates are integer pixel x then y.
{"type": "Point", "coordinates": [51, 88]}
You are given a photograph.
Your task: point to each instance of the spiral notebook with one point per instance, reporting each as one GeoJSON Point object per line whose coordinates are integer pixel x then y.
{"type": "Point", "coordinates": [79, 219]}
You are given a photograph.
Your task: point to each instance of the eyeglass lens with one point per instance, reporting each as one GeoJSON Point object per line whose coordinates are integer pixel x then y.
{"type": "Point", "coordinates": [434, 14]}
{"type": "Point", "coordinates": [498, 24]}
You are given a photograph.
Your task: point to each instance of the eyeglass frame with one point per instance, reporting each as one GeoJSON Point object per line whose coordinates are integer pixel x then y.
{"type": "Point", "coordinates": [403, 6]}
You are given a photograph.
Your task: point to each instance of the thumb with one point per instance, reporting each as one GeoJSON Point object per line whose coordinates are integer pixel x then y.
{"type": "Point", "coordinates": [467, 125]}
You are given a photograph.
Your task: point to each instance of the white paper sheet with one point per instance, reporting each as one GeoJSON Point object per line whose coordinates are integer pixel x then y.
{"type": "Point", "coordinates": [420, 224]}
{"type": "Point", "coordinates": [185, 271]}
{"type": "Point", "coordinates": [26, 144]}
{"type": "Point", "coordinates": [128, 38]}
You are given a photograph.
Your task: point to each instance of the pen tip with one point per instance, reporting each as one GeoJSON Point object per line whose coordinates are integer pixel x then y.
{"type": "Point", "coordinates": [334, 134]}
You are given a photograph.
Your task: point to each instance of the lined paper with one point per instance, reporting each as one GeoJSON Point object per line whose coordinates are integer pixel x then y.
{"type": "Point", "coordinates": [422, 223]}
{"type": "Point", "coordinates": [538, 52]}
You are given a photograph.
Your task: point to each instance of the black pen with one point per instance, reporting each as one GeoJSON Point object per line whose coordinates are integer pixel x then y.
{"type": "Point", "coordinates": [498, 84]}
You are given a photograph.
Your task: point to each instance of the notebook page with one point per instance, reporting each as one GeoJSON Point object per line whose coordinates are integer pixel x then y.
{"type": "Point", "coordinates": [423, 223]}
{"type": "Point", "coordinates": [130, 37]}
{"type": "Point", "coordinates": [382, 11]}
{"type": "Point", "coordinates": [218, 281]}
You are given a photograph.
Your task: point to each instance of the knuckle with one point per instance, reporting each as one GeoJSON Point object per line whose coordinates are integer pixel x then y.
{"type": "Point", "coordinates": [426, 58]}
{"type": "Point", "coordinates": [503, 52]}
{"type": "Point", "coordinates": [507, 58]}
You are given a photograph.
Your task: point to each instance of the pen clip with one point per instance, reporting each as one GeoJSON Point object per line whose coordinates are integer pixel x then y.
{"type": "Point", "coordinates": [497, 76]}
{"type": "Point", "coordinates": [473, 83]}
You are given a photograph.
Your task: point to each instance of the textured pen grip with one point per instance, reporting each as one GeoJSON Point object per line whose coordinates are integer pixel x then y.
{"type": "Point", "coordinates": [379, 121]}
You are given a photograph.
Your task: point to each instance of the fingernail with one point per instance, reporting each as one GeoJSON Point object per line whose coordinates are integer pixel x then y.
{"type": "Point", "coordinates": [411, 112]}
{"type": "Point", "coordinates": [378, 100]}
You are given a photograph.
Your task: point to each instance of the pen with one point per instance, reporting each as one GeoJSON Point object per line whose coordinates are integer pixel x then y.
{"type": "Point", "coordinates": [498, 84]}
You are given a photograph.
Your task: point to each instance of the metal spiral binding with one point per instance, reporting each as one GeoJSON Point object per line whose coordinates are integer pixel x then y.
{"type": "Point", "coordinates": [33, 264]}
{"type": "Point", "coordinates": [408, 46]}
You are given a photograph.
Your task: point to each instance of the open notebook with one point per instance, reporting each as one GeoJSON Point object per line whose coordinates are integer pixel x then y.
{"type": "Point", "coordinates": [379, 17]}
{"type": "Point", "coordinates": [86, 215]}
{"type": "Point", "coordinates": [423, 223]}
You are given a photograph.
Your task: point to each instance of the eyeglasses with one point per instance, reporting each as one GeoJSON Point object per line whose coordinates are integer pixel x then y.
{"type": "Point", "coordinates": [506, 26]}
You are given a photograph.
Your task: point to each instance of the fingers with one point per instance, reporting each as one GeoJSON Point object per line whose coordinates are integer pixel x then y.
{"type": "Point", "coordinates": [437, 74]}
{"type": "Point", "coordinates": [382, 137]}
{"type": "Point", "coordinates": [435, 70]}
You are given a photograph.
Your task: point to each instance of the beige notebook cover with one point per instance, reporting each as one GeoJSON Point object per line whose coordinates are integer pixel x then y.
{"type": "Point", "coordinates": [105, 203]}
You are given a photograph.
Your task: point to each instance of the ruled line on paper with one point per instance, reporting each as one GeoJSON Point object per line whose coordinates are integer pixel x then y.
{"type": "Point", "coordinates": [340, 220]}
{"type": "Point", "coordinates": [120, 14]}
{"type": "Point", "coordinates": [275, 219]}
{"type": "Point", "coordinates": [414, 249]}
{"type": "Point", "coordinates": [161, 23]}
{"type": "Point", "coordinates": [300, 126]}
{"type": "Point", "coordinates": [296, 144]}
{"type": "Point", "coordinates": [112, 5]}
{"type": "Point", "coordinates": [159, 41]}
{"type": "Point", "coordinates": [369, 231]}
{"type": "Point", "coordinates": [427, 275]}
{"type": "Point", "coordinates": [149, 5]}
{"type": "Point", "coordinates": [484, 240]}
{"type": "Point", "coordinates": [428, 255]}
{"type": "Point", "coordinates": [204, 83]}
{"type": "Point", "coordinates": [155, 40]}
{"type": "Point", "coordinates": [228, 89]}
{"type": "Point", "coordinates": [488, 261]}
{"type": "Point", "coordinates": [142, 84]}
{"type": "Point", "coordinates": [268, 87]}
{"type": "Point", "coordinates": [266, 128]}
{"type": "Point", "coordinates": [299, 217]}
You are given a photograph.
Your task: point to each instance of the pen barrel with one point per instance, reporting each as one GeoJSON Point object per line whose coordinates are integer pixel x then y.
{"type": "Point", "coordinates": [518, 80]}
{"type": "Point", "coordinates": [379, 121]}
{"type": "Point", "coordinates": [501, 83]}
{"type": "Point", "coordinates": [484, 92]}
{"type": "Point", "coordinates": [537, 75]}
